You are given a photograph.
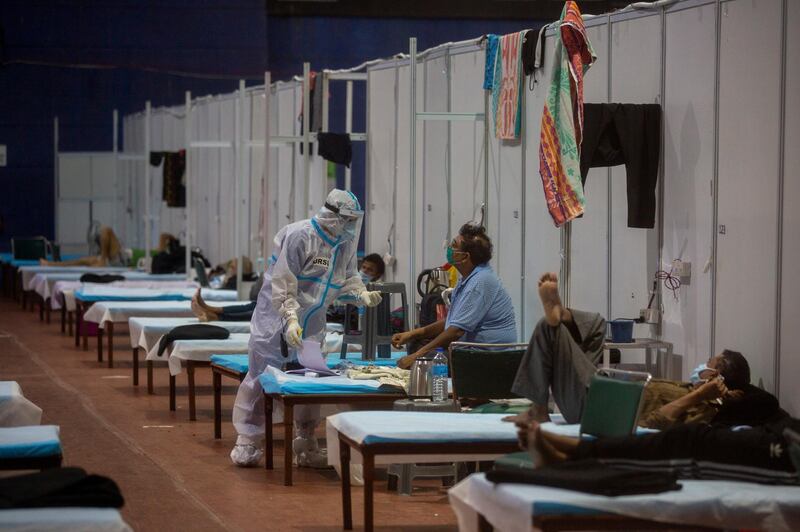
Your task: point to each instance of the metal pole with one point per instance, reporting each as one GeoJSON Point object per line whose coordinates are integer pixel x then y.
{"type": "Point", "coordinates": [266, 203]}
{"type": "Point", "coordinates": [715, 178]}
{"type": "Point", "coordinates": [187, 132]}
{"type": "Point", "coordinates": [781, 183]}
{"type": "Point", "coordinates": [306, 136]}
{"type": "Point", "coordinates": [239, 149]}
{"type": "Point", "coordinates": [348, 129]}
{"type": "Point", "coordinates": [147, 214]}
{"type": "Point", "coordinates": [412, 172]}
{"type": "Point", "coordinates": [56, 190]}
{"type": "Point", "coordinates": [115, 148]}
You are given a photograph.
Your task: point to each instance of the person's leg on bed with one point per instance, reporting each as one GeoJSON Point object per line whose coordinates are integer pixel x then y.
{"type": "Point", "coordinates": [561, 356]}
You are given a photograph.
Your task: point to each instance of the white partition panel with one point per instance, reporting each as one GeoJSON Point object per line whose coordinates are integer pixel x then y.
{"type": "Point", "coordinates": [200, 167]}
{"type": "Point", "coordinates": [467, 154]}
{"type": "Point", "coordinates": [688, 177]}
{"type": "Point", "coordinates": [274, 200]}
{"type": "Point", "coordinates": [381, 160]}
{"type": "Point", "coordinates": [635, 55]}
{"type": "Point", "coordinates": [589, 239]}
{"type": "Point", "coordinates": [255, 175]}
{"type": "Point", "coordinates": [298, 170]}
{"type": "Point", "coordinates": [749, 137]}
{"type": "Point", "coordinates": [434, 207]}
{"type": "Point", "coordinates": [402, 236]}
{"type": "Point", "coordinates": [227, 181]}
{"type": "Point", "coordinates": [790, 289]}
{"type": "Point", "coordinates": [542, 237]}
{"type": "Point", "coordinates": [286, 117]}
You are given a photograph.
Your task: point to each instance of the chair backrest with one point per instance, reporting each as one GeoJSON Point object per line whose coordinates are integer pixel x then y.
{"type": "Point", "coordinates": [613, 403]}
{"type": "Point", "coordinates": [200, 269]}
{"type": "Point", "coordinates": [29, 248]}
{"type": "Point", "coordinates": [484, 371]}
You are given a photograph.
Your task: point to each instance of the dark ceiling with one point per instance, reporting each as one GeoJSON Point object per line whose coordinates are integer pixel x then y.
{"type": "Point", "coordinates": [451, 9]}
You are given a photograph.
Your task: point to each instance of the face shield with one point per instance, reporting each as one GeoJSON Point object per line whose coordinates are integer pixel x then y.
{"type": "Point", "coordinates": [342, 215]}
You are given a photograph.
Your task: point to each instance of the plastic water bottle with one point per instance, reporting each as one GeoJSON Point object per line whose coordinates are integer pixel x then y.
{"type": "Point", "coordinates": [439, 377]}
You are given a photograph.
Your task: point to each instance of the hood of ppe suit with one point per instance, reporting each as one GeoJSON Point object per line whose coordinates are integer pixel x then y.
{"type": "Point", "coordinates": [336, 225]}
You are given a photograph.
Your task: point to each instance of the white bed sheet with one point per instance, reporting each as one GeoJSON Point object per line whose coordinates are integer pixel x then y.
{"type": "Point", "coordinates": [122, 311]}
{"type": "Point", "coordinates": [147, 332]}
{"type": "Point", "coordinates": [725, 504]}
{"type": "Point", "coordinates": [63, 520]}
{"type": "Point", "coordinates": [28, 272]}
{"type": "Point", "coordinates": [68, 289]}
{"type": "Point", "coordinates": [43, 283]}
{"type": "Point", "coordinates": [15, 409]}
{"type": "Point", "coordinates": [198, 350]}
{"type": "Point", "coordinates": [414, 427]}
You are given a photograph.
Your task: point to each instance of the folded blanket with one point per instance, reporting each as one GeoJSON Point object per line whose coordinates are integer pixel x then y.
{"type": "Point", "coordinates": [588, 476]}
{"type": "Point", "coordinates": [100, 278]}
{"type": "Point", "coordinates": [63, 487]}
{"type": "Point", "coordinates": [199, 331]}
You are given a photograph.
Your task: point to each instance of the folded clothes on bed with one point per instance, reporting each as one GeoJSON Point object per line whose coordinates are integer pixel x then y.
{"type": "Point", "coordinates": [390, 376]}
{"type": "Point", "coordinates": [588, 476]}
{"type": "Point", "coordinates": [100, 278]}
{"type": "Point", "coordinates": [197, 331]}
{"type": "Point", "coordinates": [65, 486]}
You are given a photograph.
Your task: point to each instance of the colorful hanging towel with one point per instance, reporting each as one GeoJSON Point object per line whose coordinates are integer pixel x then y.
{"type": "Point", "coordinates": [491, 56]}
{"type": "Point", "coordinates": [562, 119]}
{"type": "Point", "coordinates": [507, 86]}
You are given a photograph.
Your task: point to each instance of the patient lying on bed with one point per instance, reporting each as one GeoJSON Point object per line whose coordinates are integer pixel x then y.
{"type": "Point", "coordinates": [111, 253]}
{"type": "Point", "coordinates": [563, 354]}
{"type": "Point", "coordinates": [768, 454]}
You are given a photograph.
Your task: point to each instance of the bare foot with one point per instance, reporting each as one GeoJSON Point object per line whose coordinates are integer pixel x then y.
{"type": "Point", "coordinates": [201, 313]}
{"type": "Point", "coordinates": [541, 450]}
{"type": "Point", "coordinates": [548, 293]}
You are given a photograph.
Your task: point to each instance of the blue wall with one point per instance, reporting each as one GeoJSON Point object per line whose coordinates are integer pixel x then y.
{"type": "Point", "coordinates": [157, 50]}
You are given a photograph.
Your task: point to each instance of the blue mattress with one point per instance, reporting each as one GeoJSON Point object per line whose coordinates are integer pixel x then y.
{"type": "Point", "coordinates": [29, 442]}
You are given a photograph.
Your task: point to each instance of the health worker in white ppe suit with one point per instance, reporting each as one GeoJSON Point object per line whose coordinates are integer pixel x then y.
{"type": "Point", "coordinates": [313, 263]}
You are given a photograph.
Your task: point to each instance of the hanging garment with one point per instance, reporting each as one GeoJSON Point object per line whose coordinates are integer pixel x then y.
{"type": "Point", "coordinates": [335, 147]}
{"type": "Point", "coordinates": [507, 86]}
{"type": "Point", "coordinates": [491, 57]}
{"type": "Point", "coordinates": [174, 166]}
{"type": "Point", "coordinates": [562, 119]}
{"type": "Point", "coordinates": [629, 134]}
{"type": "Point", "coordinates": [533, 54]}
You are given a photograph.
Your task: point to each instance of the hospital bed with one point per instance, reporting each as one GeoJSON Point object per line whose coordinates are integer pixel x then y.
{"type": "Point", "coordinates": [410, 437]}
{"type": "Point", "coordinates": [24, 275]}
{"type": "Point", "coordinates": [63, 520]}
{"type": "Point", "coordinates": [482, 505]}
{"type": "Point", "coordinates": [107, 306]}
{"type": "Point", "coordinates": [15, 409]}
{"type": "Point", "coordinates": [235, 367]}
{"type": "Point", "coordinates": [30, 447]}
{"type": "Point", "coordinates": [145, 334]}
{"type": "Point", "coordinates": [194, 354]}
{"type": "Point", "coordinates": [292, 390]}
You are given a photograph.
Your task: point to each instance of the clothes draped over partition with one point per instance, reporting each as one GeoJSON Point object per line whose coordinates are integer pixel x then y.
{"type": "Point", "coordinates": [174, 168]}
{"type": "Point", "coordinates": [507, 86]}
{"type": "Point", "coordinates": [335, 147]}
{"type": "Point", "coordinates": [629, 134]}
{"type": "Point", "coordinates": [562, 119]}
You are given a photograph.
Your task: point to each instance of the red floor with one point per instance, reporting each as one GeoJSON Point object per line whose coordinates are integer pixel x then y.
{"type": "Point", "coordinates": [172, 472]}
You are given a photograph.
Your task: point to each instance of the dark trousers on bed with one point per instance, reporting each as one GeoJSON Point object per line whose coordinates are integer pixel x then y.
{"type": "Point", "coordinates": [703, 451]}
{"type": "Point", "coordinates": [238, 312]}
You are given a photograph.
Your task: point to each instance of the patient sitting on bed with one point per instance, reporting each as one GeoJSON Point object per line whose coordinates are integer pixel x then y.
{"type": "Point", "coordinates": [567, 344]}
{"type": "Point", "coordinates": [111, 253]}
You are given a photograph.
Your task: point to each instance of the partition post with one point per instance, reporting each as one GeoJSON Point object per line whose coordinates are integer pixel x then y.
{"type": "Point", "coordinates": [147, 213]}
{"type": "Point", "coordinates": [264, 208]}
{"type": "Point", "coordinates": [241, 150]}
{"type": "Point", "coordinates": [348, 129]}
{"type": "Point", "coordinates": [306, 136]}
{"type": "Point", "coordinates": [187, 126]}
{"type": "Point", "coordinates": [115, 149]}
{"type": "Point", "coordinates": [412, 150]}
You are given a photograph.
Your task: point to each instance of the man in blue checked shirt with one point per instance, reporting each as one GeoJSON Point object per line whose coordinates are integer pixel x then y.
{"type": "Point", "coordinates": [480, 310]}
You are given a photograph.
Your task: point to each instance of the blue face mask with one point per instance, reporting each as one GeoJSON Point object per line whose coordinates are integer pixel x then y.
{"type": "Point", "coordinates": [364, 277]}
{"type": "Point", "coordinates": [695, 378]}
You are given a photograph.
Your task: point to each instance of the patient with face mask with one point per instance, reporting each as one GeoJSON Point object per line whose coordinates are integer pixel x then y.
{"type": "Point", "coordinates": [567, 345]}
